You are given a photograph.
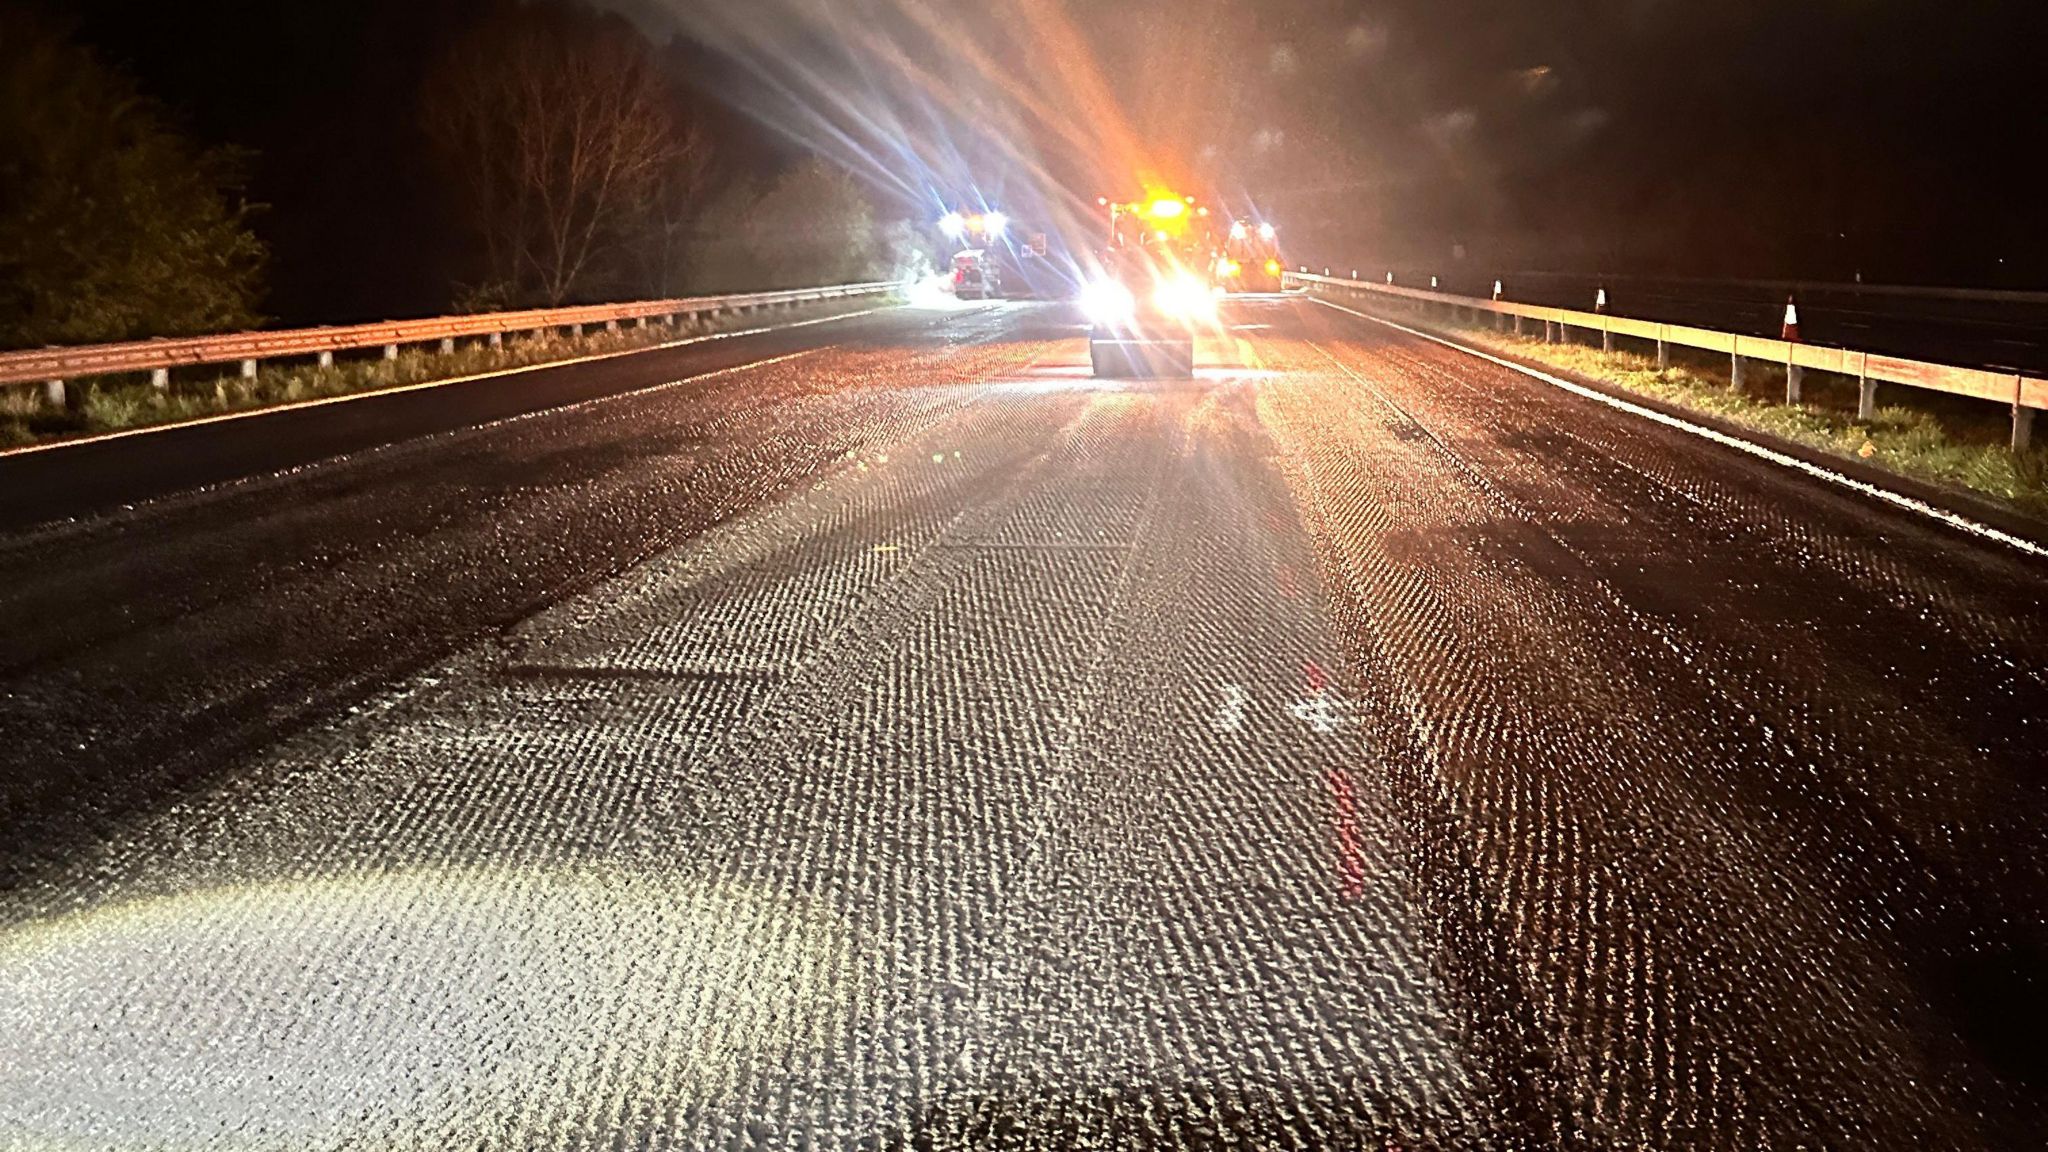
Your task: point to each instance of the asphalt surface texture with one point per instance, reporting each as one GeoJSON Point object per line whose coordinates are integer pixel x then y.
{"type": "Point", "coordinates": [908, 741]}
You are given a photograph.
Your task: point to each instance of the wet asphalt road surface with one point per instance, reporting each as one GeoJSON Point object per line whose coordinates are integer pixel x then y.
{"type": "Point", "coordinates": [912, 742]}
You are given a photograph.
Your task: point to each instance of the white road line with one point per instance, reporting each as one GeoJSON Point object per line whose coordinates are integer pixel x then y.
{"type": "Point", "coordinates": [272, 409]}
{"type": "Point", "coordinates": [1888, 496]}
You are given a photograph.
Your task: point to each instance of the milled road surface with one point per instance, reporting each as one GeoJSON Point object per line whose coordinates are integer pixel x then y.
{"type": "Point", "coordinates": [913, 743]}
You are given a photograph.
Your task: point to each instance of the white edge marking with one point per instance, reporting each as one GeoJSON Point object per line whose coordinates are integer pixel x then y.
{"type": "Point", "coordinates": [1896, 499]}
{"type": "Point", "coordinates": [272, 409]}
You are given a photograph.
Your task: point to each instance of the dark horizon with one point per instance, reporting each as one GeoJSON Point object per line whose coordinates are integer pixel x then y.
{"type": "Point", "coordinates": [1724, 140]}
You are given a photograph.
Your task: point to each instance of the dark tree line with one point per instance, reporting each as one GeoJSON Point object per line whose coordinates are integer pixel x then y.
{"type": "Point", "coordinates": [577, 161]}
{"type": "Point", "coordinates": [586, 170]}
{"type": "Point", "coordinates": [113, 225]}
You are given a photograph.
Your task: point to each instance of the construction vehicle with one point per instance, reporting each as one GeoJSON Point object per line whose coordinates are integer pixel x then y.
{"type": "Point", "coordinates": [975, 275]}
{"type": "Point", "coordinates": [1154, 288]}
{"type": "Point", "coordinates": [1250, 260]}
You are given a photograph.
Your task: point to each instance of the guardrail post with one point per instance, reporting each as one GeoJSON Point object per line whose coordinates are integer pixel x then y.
{"type": "Point", "coordinates": [1663, 350]}
{"type": "Point", "coordinates": [1794, 377]}
{"type": "Point", "coordinates": [576, 331]}
{"type": "Point", "coordinates": [1735, 371]}
{"type": "Point", "coordinates": [497, 339]}
{"type": "Point", "coordinates": [160, 379]}
{"type": "Point", "coordinates": [248, 369]}
{"type": "Point", "coordinates": [391, 351]}
{"type": "Point", "coordinates": [1518, 323]}
{"type": "Point", "coordinates": [1553, 332]}
{"type": "Point", "coordinates": [2022, 427]}
{"type": "Point", "coordinates": [1606, 339]}
{"type": "Point", "coordinates": [53, 393]}
{"type": "Point", "coordinates": [1866, 398]}
{"type": "Point", "coordinates": [611, 325]}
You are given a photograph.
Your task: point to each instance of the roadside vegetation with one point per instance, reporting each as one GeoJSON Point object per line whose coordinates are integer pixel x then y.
{"type": "Point", "coordinates": [114, 404]}
{"type": "Point", "coordinates": [1946, 440]}
{"type": "Point", "coordinates": [576, 157]}
{"type": "Point", "coordinates": [113, 225]}
{"type": "Point", "coordinates": [584, 165]}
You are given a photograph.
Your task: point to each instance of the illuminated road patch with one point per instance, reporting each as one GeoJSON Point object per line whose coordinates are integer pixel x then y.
{"type": "Point", "coordinates": [415, 1009]}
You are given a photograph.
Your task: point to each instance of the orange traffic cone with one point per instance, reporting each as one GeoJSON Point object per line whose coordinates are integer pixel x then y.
{"type": "Point", "coordinates": [1496, 289]}
{"type": "Point", "coordinates": [1600, 301]}
{"type": "Point", "coordinates": [1790, 334]}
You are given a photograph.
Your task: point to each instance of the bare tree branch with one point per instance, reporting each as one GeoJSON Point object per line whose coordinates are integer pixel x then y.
{"type": "Point", "coordinates": [566, 143]}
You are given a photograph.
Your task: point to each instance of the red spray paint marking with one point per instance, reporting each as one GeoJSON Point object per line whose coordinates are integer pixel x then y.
{"type": "Point", "coordinates": [1317, 678]}
{"type": "Point", "coordinates": [1289, 587]}
{"type": "Point", "coordinates": [1350, 854]}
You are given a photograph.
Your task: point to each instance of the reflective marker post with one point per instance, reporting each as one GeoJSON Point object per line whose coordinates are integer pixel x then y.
{"type": "Point", "coordinates": [1789, 333]}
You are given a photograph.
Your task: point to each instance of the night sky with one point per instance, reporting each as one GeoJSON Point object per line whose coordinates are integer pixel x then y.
{"type": "Point", "coordinates": [1895, 138]}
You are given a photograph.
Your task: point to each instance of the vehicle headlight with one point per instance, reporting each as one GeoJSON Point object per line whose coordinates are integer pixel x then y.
{"type": "Point", "coordinates": [1185, 297]}
{"type": "Point", "coordinates": [1107, 302]}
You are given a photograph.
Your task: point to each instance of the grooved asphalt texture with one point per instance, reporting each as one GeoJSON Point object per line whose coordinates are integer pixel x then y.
{"type": "Point", "coordinates": [916, 743]}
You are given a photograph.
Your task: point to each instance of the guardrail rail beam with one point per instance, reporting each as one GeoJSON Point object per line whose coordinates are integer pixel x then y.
{"type": "Point", "coordinates": [2026, 395]}
{"type": "Point", "coordinates": [52, 367]}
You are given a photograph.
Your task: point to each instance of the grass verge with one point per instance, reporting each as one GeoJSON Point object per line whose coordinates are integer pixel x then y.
{"type": "Point", "coordinates": [1950, 441]}
{"type": "Point", "coordinates": [115, 403]}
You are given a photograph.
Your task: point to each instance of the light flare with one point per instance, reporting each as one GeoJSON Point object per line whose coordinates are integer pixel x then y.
{"type": "Point", "coordinates": [1106, 301]}
{"type": "Point", "coordinates": [1183, 296]}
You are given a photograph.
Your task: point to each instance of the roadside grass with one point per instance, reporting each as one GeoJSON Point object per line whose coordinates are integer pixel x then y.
{"type": "Point", "coordinates": [1946, 440]}
{"type": "Point", "coordinates": [117, 403]}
